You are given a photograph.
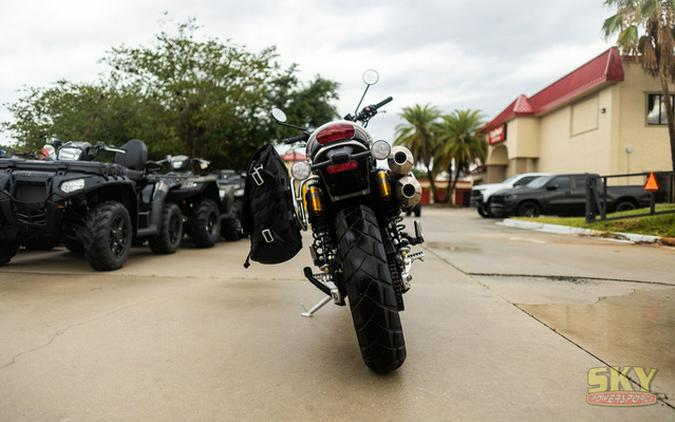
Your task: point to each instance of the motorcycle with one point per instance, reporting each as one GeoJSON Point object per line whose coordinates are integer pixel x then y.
{"type": "Point", "coordinates": [355, 211]}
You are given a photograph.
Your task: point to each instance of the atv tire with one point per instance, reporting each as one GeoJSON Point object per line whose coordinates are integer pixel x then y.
{"type": "Point", "coordinates": [204, 224]}
{"type": "Point", "coordinates": [170, 233]}
{"type": "Point", "coordinates": [107, 236]}
{"type": "Point", "coordinates": [230, 228]}
{"type": "Point", "coordinates": [369, 287]}
{"type": "Point", "coordinates": [9, 245]}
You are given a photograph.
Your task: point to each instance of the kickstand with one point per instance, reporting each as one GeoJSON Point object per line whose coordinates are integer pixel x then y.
{"type": "Point", "coordinates": [315, 308]}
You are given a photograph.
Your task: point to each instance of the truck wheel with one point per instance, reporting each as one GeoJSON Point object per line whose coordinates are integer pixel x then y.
{"type": "Point", "coordinates": [204, 224]}
{"type": "Point", "coordinates": [107, 236]}
{"type": "Point", "coordinates": [625, 206]}
{"type": "Point", "coordinates": [484, 210]}
{"type": "Point", "coordinates": [41, 244]}
{"type": "Point", "coordinates": [529, 209]}
{"type": "Point", "coordinates": [170, 233]}
{"type": "Point", "coordinates": [9, 245]}
{"type": "Point", "coordinates": [369, 286]}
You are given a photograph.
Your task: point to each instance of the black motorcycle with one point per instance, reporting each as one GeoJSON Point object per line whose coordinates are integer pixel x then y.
{"type": "Point", "coordinates": [354, 209]}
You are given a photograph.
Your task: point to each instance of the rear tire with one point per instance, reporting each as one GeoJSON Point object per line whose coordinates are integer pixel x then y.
{"type": "Point", "coordinates": [170, 233]}
{"type": "Point", "coordinates": [369, 287]}
{"type": "Point", "coordinates": [230, 228]}
{"type": "Point", "coordinates": [9, 245]}
{"type": "Point", "coordinates": [529, 209]}
{"type": "Point", "coordinates": [625, 206]}
{"type": "Point", "coordinates": [204, 224]}
{"type": "Point", "coordinates": [107, 236]}
{"type": "Point", "coordinates": [484, 210]}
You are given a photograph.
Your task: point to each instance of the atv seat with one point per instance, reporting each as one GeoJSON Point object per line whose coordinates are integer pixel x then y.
{"type": "Point", "coordinates": [135, 159]}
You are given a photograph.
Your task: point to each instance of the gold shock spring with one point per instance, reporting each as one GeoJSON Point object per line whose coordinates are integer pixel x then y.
{"type": "Point", "coordinates": [383, 185]}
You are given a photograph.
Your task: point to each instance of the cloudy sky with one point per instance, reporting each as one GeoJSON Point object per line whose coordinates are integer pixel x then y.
{"type": "Point", "coordinates": [452, 53]}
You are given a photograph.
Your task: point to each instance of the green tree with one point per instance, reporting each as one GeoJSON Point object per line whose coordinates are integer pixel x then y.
{"type": "Point", "coordinates": [461, 144]}
{"type": "Point", "coordinates": [646, 29]}
{"type": "Point", "coordinates": [417, 134]}
{"type": "Point", "coordinates": [180, 94]}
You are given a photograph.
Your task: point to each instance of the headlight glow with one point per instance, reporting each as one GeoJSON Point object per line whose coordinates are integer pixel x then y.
{"type": "Point", "coordinates": [380, 150]}
{"type": "Point", "coordinates": [69, 154]}
{"type": "Point", "coordinates": [72, 185]}
{"type": "Point", "coordinates": [301, 170]}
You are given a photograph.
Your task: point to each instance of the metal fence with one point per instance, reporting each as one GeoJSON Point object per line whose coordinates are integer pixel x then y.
{"type": "Point", "coordinates": [597, 198]}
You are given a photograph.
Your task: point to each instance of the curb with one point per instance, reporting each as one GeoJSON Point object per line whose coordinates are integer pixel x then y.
{"type": "Point", "coordinates": [558, 229]}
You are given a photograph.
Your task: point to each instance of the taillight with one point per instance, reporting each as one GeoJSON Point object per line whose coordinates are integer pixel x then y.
{"type": "Point", "coordinates": [336, 132]}
{"type": "Point", "coordinates": [337, 168]}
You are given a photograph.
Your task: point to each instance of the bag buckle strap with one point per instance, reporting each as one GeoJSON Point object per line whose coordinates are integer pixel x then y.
{"type": "Point", "coordinates": [268, 236]}
{"type": "Point", "coordinates": [257, 178]}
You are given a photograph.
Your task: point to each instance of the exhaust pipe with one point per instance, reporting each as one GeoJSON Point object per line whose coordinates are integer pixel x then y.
{"type": "Point", "coordinates": [408, 191]}
{"type": "Point", "coordinates": [401, 161]}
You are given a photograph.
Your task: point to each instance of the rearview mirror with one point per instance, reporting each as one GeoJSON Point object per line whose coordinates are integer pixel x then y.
{"type": "Point", "coordinates": [279, 115]}
{"type": "Point", "coordinates": [370, 77]}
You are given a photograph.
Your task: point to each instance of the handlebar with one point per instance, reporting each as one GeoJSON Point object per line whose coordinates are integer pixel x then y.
{"type": "Point", "coordinates": [383, 102]}
{"type": "Point", "coordinates": [298, 138]}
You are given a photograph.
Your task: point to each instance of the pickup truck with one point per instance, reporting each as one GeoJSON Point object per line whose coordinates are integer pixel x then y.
{"type": "Point", "coordinates": [480, 194]}
{"type": "Point", "coordinates": [563, 194]}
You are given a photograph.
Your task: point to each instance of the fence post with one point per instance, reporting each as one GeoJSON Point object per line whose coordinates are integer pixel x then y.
{"type": "Point", "coordinates": [652, 203]}
{"type": "Point", "coordinates": [590, 199]}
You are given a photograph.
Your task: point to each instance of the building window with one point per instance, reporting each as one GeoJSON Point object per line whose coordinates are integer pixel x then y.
{"type": "Point", "coordinates": [656, 109]}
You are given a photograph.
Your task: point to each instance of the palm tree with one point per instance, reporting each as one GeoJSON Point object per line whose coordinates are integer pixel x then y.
{"type": "Point", "coordinates": [461, 144]}
{"type": "Point", "coordinates": [417, 134]}
{"type": "Point", "coordinates": [654, 47]}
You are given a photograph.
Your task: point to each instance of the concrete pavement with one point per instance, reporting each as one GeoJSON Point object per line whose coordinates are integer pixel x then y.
{"type": "Point", "coordinates": [194, 336]}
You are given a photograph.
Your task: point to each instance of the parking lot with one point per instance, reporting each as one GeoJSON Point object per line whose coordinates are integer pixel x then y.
{"type": "Point", "coordinates": [500, 324]}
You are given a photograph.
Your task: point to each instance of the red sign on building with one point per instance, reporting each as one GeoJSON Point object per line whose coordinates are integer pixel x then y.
{"type": "Point", "coordinates": [497, 135]}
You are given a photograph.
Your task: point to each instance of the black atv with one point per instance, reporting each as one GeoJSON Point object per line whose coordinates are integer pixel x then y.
{"type": "Point", "coordinates": [208, 215]}
{"type": "Point", "coordinates": [92, 207]}
{"type": "Point", "coordinates": [231, 187]}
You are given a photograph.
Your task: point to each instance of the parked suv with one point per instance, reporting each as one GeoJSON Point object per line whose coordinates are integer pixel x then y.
{"type": "Point", "coordinates": [563, 194]}
{"type": "Point", "coordinates": [481, 194]}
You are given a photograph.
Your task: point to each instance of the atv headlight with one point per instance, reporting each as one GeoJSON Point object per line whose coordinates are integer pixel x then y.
{"type": "Point", "coordinates": [69, 154]}
{"type": "Point", "coordinates": [380, 150]}
{"type": "Point", "coordinates": [72, 185]}
{"type": "Point", "coordinates": [301, 170]}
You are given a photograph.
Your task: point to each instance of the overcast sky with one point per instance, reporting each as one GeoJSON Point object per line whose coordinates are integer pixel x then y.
{"type": "Point", "coordinates": [452, 53]}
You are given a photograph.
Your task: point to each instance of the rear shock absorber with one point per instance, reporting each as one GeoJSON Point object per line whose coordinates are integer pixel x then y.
{"type": "Point", "coordinates": [321, 250]}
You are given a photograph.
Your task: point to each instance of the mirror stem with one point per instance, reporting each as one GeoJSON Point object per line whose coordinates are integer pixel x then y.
{"type": "Point", "coordinates": [356, 112]}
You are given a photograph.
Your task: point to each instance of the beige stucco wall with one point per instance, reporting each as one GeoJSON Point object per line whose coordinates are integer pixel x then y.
{"type": "Point", "coordinates": [651, 146]}
{"type": "Point", "coordinates": [587, 150]}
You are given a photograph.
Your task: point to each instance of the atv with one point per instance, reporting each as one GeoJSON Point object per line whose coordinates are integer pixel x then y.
{"type": "Point", "coordinates": [231, 188]}
{"type": "Point", "coordinates": [207, 213]}
{"type": "Point", "coordinates": [95, 208]}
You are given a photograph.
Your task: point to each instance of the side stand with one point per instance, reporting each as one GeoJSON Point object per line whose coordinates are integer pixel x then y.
{"type": "Point", "coordinates": [315, 308]}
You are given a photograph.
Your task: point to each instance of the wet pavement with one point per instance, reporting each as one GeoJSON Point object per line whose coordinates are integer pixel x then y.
{"type": "Point", "coordinates": [502, 324]}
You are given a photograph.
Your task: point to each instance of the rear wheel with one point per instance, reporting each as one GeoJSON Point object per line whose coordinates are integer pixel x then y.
{"type": "Point", "coordinates": [9, 245]}
{"type": "Point", "coordinates": [625, 206]}
{"type": "Point", "coordinates": [204, 224]}
{"type": "Point", "coordinates": [107, 236]}
{"type": "Point", "coordinates": [168, 239]}
{"type": "Point", "coordinates": [231, 228]}
{"type": "Point", "coordinates": [369, 287]}
{"type": "Point", "coordinates": [529, 209]}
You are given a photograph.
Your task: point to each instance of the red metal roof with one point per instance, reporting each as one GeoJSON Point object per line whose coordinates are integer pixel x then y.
{"type": "Point", "coordinates": [293, 155]}
{"type": "Point", "coordinates": [605, 68]}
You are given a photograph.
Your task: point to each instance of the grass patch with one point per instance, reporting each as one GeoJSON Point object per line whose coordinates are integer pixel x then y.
{"type": "Point", "coordinates": [656, 225]}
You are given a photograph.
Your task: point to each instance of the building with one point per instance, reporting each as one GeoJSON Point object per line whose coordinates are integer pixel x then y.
{"type": "Point", "coordinates": [603, 117]}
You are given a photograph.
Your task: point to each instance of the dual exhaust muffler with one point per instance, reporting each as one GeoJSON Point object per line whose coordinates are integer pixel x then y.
{"type": "Point", "coordinates": [407, 188]}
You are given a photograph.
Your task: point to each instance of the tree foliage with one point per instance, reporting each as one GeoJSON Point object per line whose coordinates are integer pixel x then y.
{"type": "Point", "coordinates": [646, 30]}
{"type": "Point", "coordinates": [181, 95]}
